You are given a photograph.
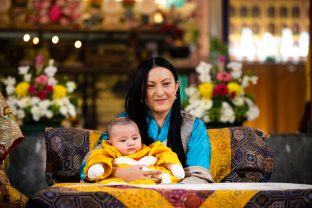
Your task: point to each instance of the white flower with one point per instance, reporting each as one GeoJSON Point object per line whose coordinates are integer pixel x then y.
{"type": "Point", "coordinates": [204, 78]}
{"type": "Point", "coordinates": [236, 69]}
{"type": "Point", "coordinates": [206, 119]}
{"type": "Point", "coordinates": [63, 110]}
{"type": "Point", "coordinates": [72, 110]}
{"type": "Point", "coordinates": [34, 100]}
{"type": "Point", "coordinates": [51, 62]}
{"type": "Point", "coordinates": [71, 86]}
{"type": "Point", "coordinates": [20, 114]}
{"type": "Point", "coordinates": [44, 105]}
{"type": "Point", "coordinates": [227, 113]}
{"type": "Point", "coordinates": [203, 68]}
{"type": "Point", "coordinates": [27, 77]}
{"type": "Point", "coordinates": [254, 80]}
{"type": "Point", "coordinates": [195, 108]}
{"type": "Point", "coordinates": [23, 70]}
{"type": "Point", "coordinates": [10, 89]}
{"type": "Point", "coordinates": [253, 111]}
{"type": "Point", "coordinates": [35, 111]}
{"type": "Point", "coordinates": [9, 81]}
{"type": "Point", "coordinates": [204, 71]}
{"type": "Point", "coordinates": [206, 104]}
{"type": "Point", "coordinates": [23, 102]}
{"type": "Point", "coordinates": [50, 70]}
{"type": "Point", "coordinates": [192, 92]}
{"type": "Point", "coordinates": [238, 101]}
{"type": "Point", "coordinates": [48, 114]}
{"type": "Point", "coordinates": [52, 81]}
{"type": "Point", "coordinates": [249, 79]}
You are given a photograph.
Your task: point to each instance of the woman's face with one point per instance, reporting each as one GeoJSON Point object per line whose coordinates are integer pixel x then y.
{"type": "Point", "coordinates": [161, 90]}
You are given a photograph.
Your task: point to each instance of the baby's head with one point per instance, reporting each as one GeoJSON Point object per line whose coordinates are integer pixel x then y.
{"type": "Point", "coordinates": [124, 134]}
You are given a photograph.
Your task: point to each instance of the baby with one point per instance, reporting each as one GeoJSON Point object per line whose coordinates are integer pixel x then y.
{"type": "Point", "coordinates": [123, 148]}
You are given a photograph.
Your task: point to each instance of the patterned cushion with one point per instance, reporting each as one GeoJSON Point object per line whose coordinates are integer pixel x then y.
{"type": "Point", "coordinates": [10, 133]}
{"type": "Point", "coordinates": [240, 154]}
{"type": "Point", "coordinates": [66, 148]}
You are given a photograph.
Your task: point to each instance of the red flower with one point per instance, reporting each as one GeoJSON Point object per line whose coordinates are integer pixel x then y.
{"type": "Point", "coordinates": [42, 94]}
{"type": "Point", "coordinates": [31, 89]}
{"type": "Point", "coordinates": [49, 88]}
{"type": "Point", "coordinates": [220, 90]}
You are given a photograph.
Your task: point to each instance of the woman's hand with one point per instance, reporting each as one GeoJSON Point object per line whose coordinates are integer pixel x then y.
{"type": "Point", "coordinates": [135, 172]}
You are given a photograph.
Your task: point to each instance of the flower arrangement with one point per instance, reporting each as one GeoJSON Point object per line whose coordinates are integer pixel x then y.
{"type": "Point", "coordinates": [38, 97]}
{"type": "Point", "coordinates": [221, 97]}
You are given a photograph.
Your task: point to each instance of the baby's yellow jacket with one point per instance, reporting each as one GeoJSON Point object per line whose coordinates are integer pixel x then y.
{"type": "Point", "coordinates": [108, 153]}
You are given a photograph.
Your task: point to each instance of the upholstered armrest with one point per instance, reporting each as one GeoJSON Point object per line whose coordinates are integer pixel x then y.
{"type": "Point", "coordinates": [240, 154]}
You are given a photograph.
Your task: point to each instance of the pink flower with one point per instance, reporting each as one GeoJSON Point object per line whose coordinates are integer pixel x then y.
{"type": "Point", "coordinates": [42, 79]}
{"type": "Point", "coordinates": [39, 61]}
{"type": "Point", "coordinates": [224, 76]}
{"type": "Point", "coordinates": [220, 90]}
{"type": "Point", "coordinates": [222, 59]}
{"type": "Point", "coordinates": [55, 13]}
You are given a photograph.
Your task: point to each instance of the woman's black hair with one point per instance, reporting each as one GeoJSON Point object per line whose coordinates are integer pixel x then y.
{"type": "Point", "coordinates": [137, 109]}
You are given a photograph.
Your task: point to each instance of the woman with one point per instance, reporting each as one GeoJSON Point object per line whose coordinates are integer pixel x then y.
{"type": "Point", "coordinates": [153, 102]}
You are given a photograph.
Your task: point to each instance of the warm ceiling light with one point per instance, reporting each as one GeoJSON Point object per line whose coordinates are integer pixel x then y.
{"type": "Point", "coordinates": [78, 44]}
{"type": "Point", "coordinates": [55, 39]}
{"type": "Point", "coordinates": [35, 40]}
{"type": "Point", "coordinates": [26, 37]}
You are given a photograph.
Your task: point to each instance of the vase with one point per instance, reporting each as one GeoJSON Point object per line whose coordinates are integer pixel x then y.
{"type": "Point", "coordinates": [28, 160]}
{"type": "Point", "coordinates": [37, 127]}
{"type": "Point", "coordinates": [219, 125]}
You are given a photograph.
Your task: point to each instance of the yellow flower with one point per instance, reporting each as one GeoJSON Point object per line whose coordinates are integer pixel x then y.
{"type": "Point", "coordinates": [59, 91]}
{"type": "Point", "coordinates": [234, 89]}
{"type": "Point", "coordinates": [22, 89]}
{"type": "Point", "coordinates": [205, 90]}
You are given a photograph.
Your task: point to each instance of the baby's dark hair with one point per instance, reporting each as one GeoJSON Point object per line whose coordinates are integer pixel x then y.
{"type": "Point", "coordinates": [118, 121]}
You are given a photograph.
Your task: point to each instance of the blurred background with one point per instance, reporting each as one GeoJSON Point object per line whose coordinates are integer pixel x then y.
{"type": "Point", "coordinates": [98, 43]}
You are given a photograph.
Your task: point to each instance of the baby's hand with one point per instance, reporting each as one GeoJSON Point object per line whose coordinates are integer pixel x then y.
{"type": "Point", "coordinates": [148, 160]}
{"type": "Point", "coordinates": [95, 171]}
{"type": "Point", "coordinates": [177, 170]}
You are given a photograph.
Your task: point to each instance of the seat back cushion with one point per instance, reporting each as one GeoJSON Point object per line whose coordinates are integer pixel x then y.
{"type": "Point", "coordinates": [66, 148]}
{"type": "Point", "coordinates": [240, 154]}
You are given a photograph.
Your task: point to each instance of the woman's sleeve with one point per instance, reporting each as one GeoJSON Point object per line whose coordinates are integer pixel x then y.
{"type": "Point", "coordinates": [198, 147]}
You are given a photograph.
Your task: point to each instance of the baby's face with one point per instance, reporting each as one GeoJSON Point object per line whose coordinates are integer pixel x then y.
{"type": "Point", "coordinates": [126, 138]}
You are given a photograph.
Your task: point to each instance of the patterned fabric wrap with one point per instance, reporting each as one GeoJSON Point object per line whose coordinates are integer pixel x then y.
{"type": "Point", "coordinates": [240, 154]}
{"type": "Point", "coordinates": [9, 196]}
{"type": "Point", "coordinates": [10, 133]}
{"type": "Point", "coordinates": [65, 195]}
{"type": "Point", "coordinates": [66, 148]}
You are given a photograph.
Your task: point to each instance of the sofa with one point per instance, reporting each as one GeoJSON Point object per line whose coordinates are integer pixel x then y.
{"type": "Point", "coordinates": [239, 154]}
{"type": "Point", "coordinates": [241, 165]}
